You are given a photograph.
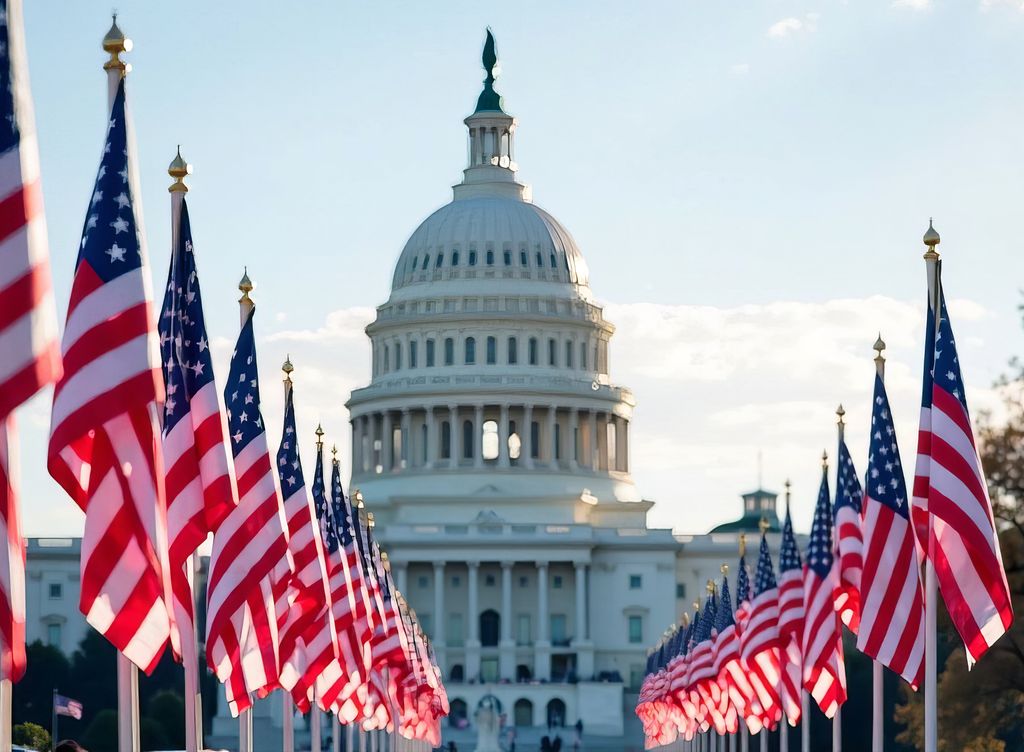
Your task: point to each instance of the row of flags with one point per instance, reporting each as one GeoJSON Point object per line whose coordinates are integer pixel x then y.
{"type": "Point", "coordinates": [300, 595]}
{"type": "Point", "coordinates": [862, 568]}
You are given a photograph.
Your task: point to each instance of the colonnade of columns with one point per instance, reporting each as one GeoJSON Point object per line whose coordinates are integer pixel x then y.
{"type": "Point", "coordinates": [507, 643]}
{"type": "Point", "coordinates": [453, 435]}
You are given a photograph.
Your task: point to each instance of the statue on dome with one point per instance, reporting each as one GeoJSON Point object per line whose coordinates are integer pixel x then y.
{"type": "Point", "coordinates": [490, 100]}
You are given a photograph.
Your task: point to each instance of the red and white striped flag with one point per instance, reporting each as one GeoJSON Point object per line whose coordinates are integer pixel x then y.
{"type": "Point", "coordinates": [200, 488]}
{"type": "Point", "coordinates": [822, 644]}
{"type": "Point", "coordinates": [28, 318]}
{"type": "Point", "coordinates": [953, 513]}
{"type": "Point", "coordinates": [760, 638]}
{"type": "Point", "coordinates": [104, 432]}
{"type": "Point", "coordinates": [891, 582]}
{"type": "Point", "coordinates": [849, 542]}
{"type": "Point", "coordinates": [791, 621]}
{"type": "Point", "coordinates": [250, 562]}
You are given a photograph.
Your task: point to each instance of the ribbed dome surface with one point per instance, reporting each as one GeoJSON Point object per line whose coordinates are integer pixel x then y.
{"type": "Point", "coordinates": [464, 231]}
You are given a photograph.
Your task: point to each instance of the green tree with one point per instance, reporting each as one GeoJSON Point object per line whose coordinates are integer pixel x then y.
{"type": "Point", "coordinates": [167, 710]}
{"type": "Point", "coordinates": [47, 669]}
{"type": "Point", "coordinates": [93, 677]}
{"type": "Point", "coordinates": [101, 736]}
{"type": "Point", "coordinates": [152, 735]}
{"type": "Point", "coordinates": [31, 735]}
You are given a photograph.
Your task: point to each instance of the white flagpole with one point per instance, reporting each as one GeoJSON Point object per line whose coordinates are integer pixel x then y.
{"type": "Point", "coordinates": [764, 739]}
{"type": "Point", "coordinates": [745, 740]}
{"type": "Point", "coordinates": [784, 734]}
{"type": "Point", "coordinates": [837, 719]}
{"type": "Point", "coordinates": [877, 678]}
{"type": "Point", "coordinates": [335, 733]}
{"type": "Point", "coordinates": [314, 728]}
{"type": "Point", "coordinates": [805, 722]}
{"type": "Point", "coordinates": [931, 590]}
{"type": "Point", "coordinates": [179, 169]}
{"type": "Point", "coordinates": [350, 735]}
{"type": "Point", "coordinates": [287, 722]}
{"type": "Point", "coordinates": [245, 306]}
{"type": "Point", "coordinates": [115, 43]}
{"type": "Point", "coordinates": [837, 730]}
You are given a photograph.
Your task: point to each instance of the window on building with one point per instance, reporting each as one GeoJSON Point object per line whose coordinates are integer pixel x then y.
{"type": "Point", "coordinates": [540, 261]}
{"type": "Point", "coordinates": [489, 580]}
{"type": "Point", "coordinates": [534, 439]}
{"type": "Point", "coordinates": [533, 351]}
{"type": "Point", "coordinates": [635, 582]}
{"type": "Point", "coordinates": [636, 629]}
{"type": "Point", "coordinates": [513, 351]}
{"type": "Point", "coordinates": [472, 258]}
{"type": "Point", "coordinates": [414, 352]}
{"type": "Point", "coordinates": [553, 261]}
{"type": "Point", "coordinates": [430, 353]}
{"type": "Point", "coordinates": [522, 258]}
{"type": "Point", "coordinates": [455, 258]}
{"type": "Point", "coordinates": [568, 354]}
{"type": "Point", "coordinates": [387, 358]}
{"type": "Point", "coordinates": [414, 260]}
{"type": "Point", "coordinates": [558, 442]}
{"type": "Point", "coordinates": [446, 440]}
{"type": "Point", "coordinates": [398, 356]}
{"type": "Point", "coordinates": [558, 631]}
{"type": "Point", "coordinates": [456, 580]}
{"type": "Point", "coordinates": [524, 581]}
{"type": "Point", "coordinates": [583, 355]}
{"type": "Point", "coordinates": [454, 636]}
{"type": "Point", "coordinates": [438, 261]}
{"type": "Point", "coordinates": [426, 262]}
{"type": "Point", "coordinates": [467, 440]}
{"type": "Point", "coordinates": [523, 633]}
{"type": "Point", "coordinates": [489, 441]}
{"type": "Point", "coordinates": [552, 352]}
{"type": "Point", "coordinates": [423, 444]}
{"type": "Point", "coordinates": [470, 354]}
{"type": "Point", "coordinates": [53, 635]}
{"type": "Point", "coordinates": [56, 591]}
{"type": "Point", "coordinates": [427, 624]}
{"type": "Point", "coordinates": [508, 258]}
{"type": "Point", "coordinates": [492, 350]}
{"type": "Point", "coordinates": [422, 582]}
{"type": "Point", "coordinates": [490, 258]}
{"type": "Point", "coordinates": [556, 582]}
{"type": "Point", "coordinates": [449, 351]}
{"type": "Point", "coordinates": [680, 590]}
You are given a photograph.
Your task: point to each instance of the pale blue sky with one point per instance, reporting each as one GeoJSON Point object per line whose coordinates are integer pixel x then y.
{"type": "Point", "coordinates": [702, 154]}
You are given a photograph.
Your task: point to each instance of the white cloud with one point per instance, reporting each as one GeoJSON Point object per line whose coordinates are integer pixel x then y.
{"type": "Point", "coordinates": [741, 69]}
{"type": "Point", "coordinates": [913, 4]}
{"type": "Point", "coordinates": [793, 25]}
{"type": "Point", "coordinates": [987, 5]}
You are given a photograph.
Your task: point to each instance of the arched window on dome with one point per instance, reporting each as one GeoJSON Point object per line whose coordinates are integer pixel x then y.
{"type": "Point", "coordinates": [426, 262]}
{"type": "Point", "coordinates": [489, 440]}
{"type": "Point", "coordinates": [430, 353]}
{"type": "Point", "coordinates": [423, 444]}
{"type": "Point", "coordinates": [508, 258]}
{"type": "Point", "coordinates": [472, 258]}
{"type": "Point", "coordinates": [470, 354]}
{"type": "Point", "coordinates": [568, 353]}
{"type": "Point", "coordinates": [558, 442]}
{"type": "Point", "coordinates": [414, 351]}
{"type": "Point", "coordinates": [523, 260]}
{"type": "Point", "coordinates": [446, 440]}
{"type": "Point", "coordinates": [534, 439]}
{"type": "Point", "coordinates": [414, 260]}
{"type": "Point", "coordinates": [398, 356]}
{"type": "Point", "coordinates": [467, 439]}
{"type": "Point", "coordinates": [513, 351]}
{"type": "Point", "coordinates": [532, 347]}
{"type": "Point", "coordinates": [492, 350]}
{"type": "Point", "coordinates": [554, 261]}
{"type": "Point", "coordinates": [540, 261]}
{"type": "Point", "coordinates": [387, 358]}
{"type": "Point", "coordinates": [439, 260]}
{"type": "Point", "coordinates": [552, 352]}
{"type": "Point", "coordinates": [449, 351]}
{"type": "Point", "coordinates": [490, 258]}
{"type": "Point", "coordinates": [583, 355]}
{"type": "Point", "coordinates": [455, 258]}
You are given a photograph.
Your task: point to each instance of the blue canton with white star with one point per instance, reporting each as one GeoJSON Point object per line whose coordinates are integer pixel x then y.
{"type": "Point", "coordinates": [723, 616]}
{"type": "Point", "coordinates": [289, 467]}
{"type": "Point", "coordinates": [9, 134]}
{"type": "Point", "coordinates": [947, 364]}
{"type": "Point", "coordinates": [242, 392]}
{"type": "Point", "coordinates": [764, 578]}
{"type": "Point", "coordinates": [884, 481]}
{"type": "Point", "coordinates": [819, 548]}
{"type": "Point", "coordinates": [707, 620]}
{"type": "Point", "coordinates": [848, 490]}
{"type": "Point", "coordinates": [742, 583]}
{"type": "Point", "coordinates": [324, 509]}
{"type": "Point", "coordinates": [110, 240]}
{"type": "Point", "coordinates": [184, 347]}
{"type": "Point", "coordinates": [344, 513]}
{"type": "Point", "coordinates": [789, 556]}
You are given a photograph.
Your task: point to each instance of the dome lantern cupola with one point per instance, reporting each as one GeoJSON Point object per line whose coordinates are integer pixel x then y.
{"type": "Point", "coordinates": [491, 169]}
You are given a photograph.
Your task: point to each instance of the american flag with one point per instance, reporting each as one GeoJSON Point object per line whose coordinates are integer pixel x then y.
{"type": "Point", "coordinates": [731, 702]}
{"type": "Point", "coordinates": [822, 644]}
{"type": "Point", "coordinates": [28, 318]}
{"type": "Point", "coordinates": [250, 549]}
{"type": "Point", "coordinates": [702, 663]}
{"type": "Point", "coordinates": [952, 495]}
{"type": "Point", "coordinates": [849, 544]}
{"type": "Point", "coordinates": [760, 643]}
{"type": "Point", "coordinates": [791, 620]}
{"type": "Point", "coordinates": [308, 642]}
{"type": "Point", "coordinates": [740, 674]}
{"type": "Point", "coordinates": [891, 581]}
{"type": "Point", "coordinates": [200, 489]}
{"type": "Point", "coordinates": [104, 432]}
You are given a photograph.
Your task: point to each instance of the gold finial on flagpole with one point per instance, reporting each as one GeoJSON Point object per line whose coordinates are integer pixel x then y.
{"type": "Point", "coordinates": [696, 604]}
{"type": "Point", "coordinates": [319, 437]}
{"type": "Point", "coordinates": [358, 497]}
{"type": "Point", "coordinates": [287, 367]}
{"type": "Point", "coordinates": [179, 169]}
{"type": "Point", "coordinates": [840, 412]}
{"type": "Point", "coordinates": [724, 569]}
{"type": "Point", "coordinates": [370, 523]}
{"type": "Point", "coordinates": [931, 239]}
{"type": "Point", "coordinates": [114, 43]}
{"type": "Point", "coordinates": [334, 454]}
{"type": "Point", "coordinates": [879, 347]}
{"type": "Point", "coordinates": [743, 544]}
{"type": "Point", "coordinates": [710, 587]}
{"type": "Point", "coordinates": [824, 460]}
{"type": "Point", "coordinates": [764, 525]}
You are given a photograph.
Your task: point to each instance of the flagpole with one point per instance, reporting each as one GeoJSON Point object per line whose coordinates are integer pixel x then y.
{"type": "Point", "coordinates": [837, 719]}
{"type": "Point", "coordinates": [877, 688]}
{"type": "Point", "coordinates": [784, 734]}
{"type": "Point", "coordinates": [805, 722]}
{"type": "Point", "coordinates": [53, 722]}
{"type": "Point", "coordinates": [335, 733]}
{"type": "Point", "coordinates": [931, 595]}
{"type": "Point", "coordinates": [287, 723]}
{"type": "Point", "coordinates": [245, 307]}
{"type": "Point", "coordinates": [314, 728]}
{"type": "Point", "coordinates": [115, 43]}
{"type": "Point", "coordinates": [745, 740]}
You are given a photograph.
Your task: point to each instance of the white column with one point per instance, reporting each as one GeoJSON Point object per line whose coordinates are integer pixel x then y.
{"type": "Point", "coordinates": [387, 443]}
{"type": "Point", "coordinates": [553, 436]}
{"type": "Point", "coordinates": [582, 627]}
{"type": "Point", "coordinates": [527, 435]}
{"type": "Point", "coordinates": [455, 445]}
{"type": "Point", "coordinates": [594, 456]}
{"type": "Point", "coordinates": [473, 619]}
{"type": "Point", "coordinates": [503, 436]}
{"type": "Point", "coordinates": [542, 647]}
{"type": "Point", "coordinates": [405, 461]}
{"type": "Point", "coordinates": [438, 637]}
{"type": "Point", "coordinates": [432, 443]}
{"type": "Point", "coordinates": [478, 437]}
{"type": "Point", "coordinates": [507, 646]}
